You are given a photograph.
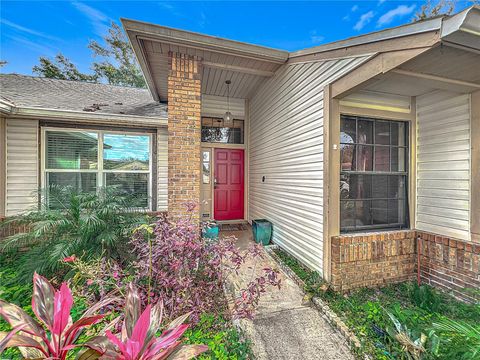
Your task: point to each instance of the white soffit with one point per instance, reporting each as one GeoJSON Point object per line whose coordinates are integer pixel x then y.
{"type": "Point", "coordinates": [246, 65]}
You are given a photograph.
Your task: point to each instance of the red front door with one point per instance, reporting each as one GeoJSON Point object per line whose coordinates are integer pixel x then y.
{"type": "Point", "coordinates": [228, 186]}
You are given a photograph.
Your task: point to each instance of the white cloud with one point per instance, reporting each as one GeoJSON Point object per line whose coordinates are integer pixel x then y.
{"type": "Point", "coordinates": [354, 8]}
{"type": "Point", "coordinates": [364, 20]}
{"type": "Point", "coordinates": [42, 50]}
{"type": "Point", "coordinates": [380, 2]}
{"type": "Point", "coordinates": [315, 38]}
{"type": "Point", "coordinates": [170, 8]}
{"type": "Point", "coordinates": [99, 20]}
{"type": "Point", "coordinates": [24, 29]}
{"type": "Point", "coordinates": [398, 12]}
{"type": "Point", "coordinates": [203, 20]}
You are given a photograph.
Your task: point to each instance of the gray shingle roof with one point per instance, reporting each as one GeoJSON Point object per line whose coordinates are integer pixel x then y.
{"type": "Point", "coordinates": [37, 92]}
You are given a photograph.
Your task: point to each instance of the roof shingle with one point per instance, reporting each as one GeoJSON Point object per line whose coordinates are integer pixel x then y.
{"type": "Point", "coordinates": [45, 93]}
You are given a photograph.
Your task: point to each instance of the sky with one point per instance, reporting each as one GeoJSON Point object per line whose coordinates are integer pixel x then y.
{"type": "Point", "coordinates": [30, 29]}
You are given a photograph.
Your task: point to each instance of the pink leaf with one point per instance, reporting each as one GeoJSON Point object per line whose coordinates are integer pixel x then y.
{"type": "Point", "coordinates": [116, 341]}
{"type": "Point", "coordinates": [63, 302]}
{"type": "Point", "coordinates": [140, 330]}
{"type": "Point", "coordinates": [77, 326]}
{"type": "Point", "coordinates": [168, 338]}
{"type": "Point", "coordinates": [68, 259]}
{"type": "Point", "coordinates": [43, 300]}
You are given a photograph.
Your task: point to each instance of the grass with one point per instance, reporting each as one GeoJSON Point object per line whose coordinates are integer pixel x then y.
{"type": "Point", "coordinates": [366, 313]}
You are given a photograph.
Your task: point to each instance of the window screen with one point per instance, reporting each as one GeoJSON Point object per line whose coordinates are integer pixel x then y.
{"type": "Point", "coordinates": [373, 174]}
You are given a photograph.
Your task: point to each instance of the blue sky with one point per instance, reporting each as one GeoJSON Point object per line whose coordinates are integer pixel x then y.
{"type": "Point", "coordinates": [32, 29]}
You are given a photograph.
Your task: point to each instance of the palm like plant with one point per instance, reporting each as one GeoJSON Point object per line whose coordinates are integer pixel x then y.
{"type": "Point", "coordinates": [412, 345]}
{"type": "Point", "coordinates": [466, 336]}
{"type": "Point", "coordinates": [87, 223]}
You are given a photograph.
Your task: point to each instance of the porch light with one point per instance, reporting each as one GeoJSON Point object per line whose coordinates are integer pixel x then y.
{"type": "Point", "coordinates": [228, 117]}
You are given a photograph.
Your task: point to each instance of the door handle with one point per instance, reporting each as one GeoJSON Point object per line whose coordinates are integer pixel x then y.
{"type": "Point", "coordinates": [215, 183]}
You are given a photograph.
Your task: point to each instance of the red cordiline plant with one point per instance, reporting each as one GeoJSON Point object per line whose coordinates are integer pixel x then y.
{"type": "Point", "coordinates": [54, 335]}
{"type": "Point", "coordinates": [137, 340]}
{"type": "Point", "coordinates": [186, 273]}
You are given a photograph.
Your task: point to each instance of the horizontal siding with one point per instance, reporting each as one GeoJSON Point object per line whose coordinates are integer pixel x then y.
{"type": "Point", "coordinates": [22, 165]}
{"type": "Point", "coordinates": [443, 164]}
{"type": "Point", "coordinates": [217, 106]}
{"type": "Point", "coordinates": [162, 169]}
{"type": "Point", "coordinates": [286, 146]}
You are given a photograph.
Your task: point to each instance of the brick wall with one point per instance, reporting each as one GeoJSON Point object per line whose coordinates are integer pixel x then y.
{"type": "Point", "coordinates": [453, 265]}
{"type": "Point", "coordinates": [360, 260]}
{"type": "Point", "coordinates": [184, 133]}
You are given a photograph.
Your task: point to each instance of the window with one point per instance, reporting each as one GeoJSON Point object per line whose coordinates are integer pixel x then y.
{"type": "Point", "coordinates": [215, 130]}
{"type": "Point", "coordinates": [87, 160]}
{"type": "Point", "coordinates": [206, 166]}
{"type": "Point", "coordinates": [373, 174]}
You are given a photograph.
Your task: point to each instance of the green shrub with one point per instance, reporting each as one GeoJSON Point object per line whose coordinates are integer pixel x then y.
{"type": "Point", "coordinates": [88, 224]}
{"type": "Point", "coordinates": [223, 340]}
{"type": "Point", "coordinates": [401, 321]}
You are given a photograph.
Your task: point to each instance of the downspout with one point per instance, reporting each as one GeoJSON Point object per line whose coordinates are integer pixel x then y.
{"type": "Point", "coordinates": [418, 260]}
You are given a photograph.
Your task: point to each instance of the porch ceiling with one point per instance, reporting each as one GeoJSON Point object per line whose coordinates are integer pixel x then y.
{"type": "Point", "coordinates": [246, 65]}
{"type": "Point", "coordinates": [441, 68]}
{"type": "Point", "coordinates": [245, 73]}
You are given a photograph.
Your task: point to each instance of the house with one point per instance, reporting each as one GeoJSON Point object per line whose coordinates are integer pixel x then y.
{"type": "Point", "coordinates": [363, 153]}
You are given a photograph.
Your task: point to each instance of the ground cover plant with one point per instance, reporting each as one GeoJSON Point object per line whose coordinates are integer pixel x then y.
{"type": "Point", "coordinates": [401, 321]}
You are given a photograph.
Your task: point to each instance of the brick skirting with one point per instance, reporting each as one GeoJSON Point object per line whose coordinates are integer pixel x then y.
{"type": "Point", "coordinates": [12, 229]}
{"type": "Point", "coordinates": [360, 260]}
{"type": "Point", "coordinates": [376, 259]}
{"type": "Point", "coordinates": [450, 264]}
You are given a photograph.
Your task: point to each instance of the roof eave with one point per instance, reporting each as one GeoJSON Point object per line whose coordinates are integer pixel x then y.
{"type": "Point", "coordinates": [463, 29]}
{"type": "Point", "coordinates": [206, 42]}
{"type": "Point", "coordinates": [73, 115]}
{"type": "Point", "coordinates": [400, 31]}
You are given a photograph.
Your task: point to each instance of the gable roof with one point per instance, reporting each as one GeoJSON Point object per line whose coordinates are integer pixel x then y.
{"type": "Point", "coordinates": [461, 28]}
{"type": "Point", "coordinates": [23, 91]}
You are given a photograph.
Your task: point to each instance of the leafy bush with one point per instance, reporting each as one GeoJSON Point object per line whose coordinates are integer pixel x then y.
{"type": "Point", "coordinates": [224, 342]}
{"type": "Point", "coordinates": [186, 273]}
{"type": "Point", "coordinates": [425, 297]}
{"type": "Point", "coordinates": [137, 339]}
{"type": "Point", "coordinates": [458, 339]}
{"type": "Point", "coordinates": [93, 224]}
{"type": "Point", "coordinates": [401, 321]}
{"type": "Point", "coordinates": [52, 309]}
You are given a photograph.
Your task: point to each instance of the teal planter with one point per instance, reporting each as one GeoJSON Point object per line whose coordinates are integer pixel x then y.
{"type": "Point", "coordinates": [262, 231]}
{"type": "Point", "coordinates": [210, 231]}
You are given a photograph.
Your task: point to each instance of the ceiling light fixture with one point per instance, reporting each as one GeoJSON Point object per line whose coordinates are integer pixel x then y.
{"type": "Point", "coordinates": [228, 117]}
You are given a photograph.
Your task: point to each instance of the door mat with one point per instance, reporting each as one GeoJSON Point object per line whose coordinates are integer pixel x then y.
{"type": "Point", "coordinates": [234, 227]}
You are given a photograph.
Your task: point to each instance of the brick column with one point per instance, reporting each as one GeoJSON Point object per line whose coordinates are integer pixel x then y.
{"type": "Point", "coordinates": [184, 133]}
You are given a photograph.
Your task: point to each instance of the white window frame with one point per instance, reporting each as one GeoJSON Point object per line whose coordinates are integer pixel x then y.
{"type": "Point", "coordinates": [101, 173]}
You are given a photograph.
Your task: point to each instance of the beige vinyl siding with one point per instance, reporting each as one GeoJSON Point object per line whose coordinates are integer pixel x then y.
{"type": "Point", "coordinates": [217, 106]}
{"type": "Point", "coordinates": [286, 146]}
{"type": "Point", "coordinates": [3, 150]}
{"type": "Point", "coordinates": [162, 169]}
{"type": "Point", "coordinates": [443, 164]}
{"type": "Point", "coordinates": [22, 165]}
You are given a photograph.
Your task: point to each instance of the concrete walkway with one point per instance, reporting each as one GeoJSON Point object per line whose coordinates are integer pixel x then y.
{"type": "Point", "coordinates": [284, 327]}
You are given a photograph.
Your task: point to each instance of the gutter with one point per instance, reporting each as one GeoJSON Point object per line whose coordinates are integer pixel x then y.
{"type": "Point", "coordinates": [71, 116]}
